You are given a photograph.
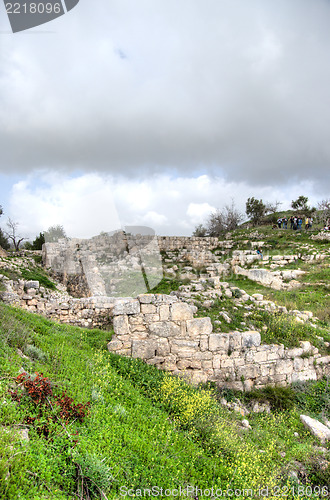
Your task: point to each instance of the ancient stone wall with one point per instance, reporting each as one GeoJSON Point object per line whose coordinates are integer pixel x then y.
{"type": "Point", "coordinates": [163, 331]}
{"type": "Point", "coordinates": [92, 312]}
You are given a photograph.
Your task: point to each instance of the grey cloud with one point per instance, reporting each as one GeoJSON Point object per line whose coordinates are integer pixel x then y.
{"type": "Point", "coordinates": [234, 87]}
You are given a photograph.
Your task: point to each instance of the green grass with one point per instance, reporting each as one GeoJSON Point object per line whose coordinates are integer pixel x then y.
{"type": "Point", "coordinates": [38, 275]}
{"type": "Point", "coordinates": [145, 428]}
{"type": "Point", "coordinates": [167, 285]}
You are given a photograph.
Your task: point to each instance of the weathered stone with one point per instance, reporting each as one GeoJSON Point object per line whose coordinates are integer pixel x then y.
{"type": "Point", "coordinates": [219, 342]}
{"type": "Point", "coordinates": [120, 325]}
{"type": "Point", "coordinates": [144, 349]}
{"type": "Point", "coordinates": [250, 339]}
{"type": "Point", "coordinates": [148, 309]}
{"type": "Point", "coordinates": [199, 326]}
{"type": "Point", "coordinates": [32, 284]}
{"type": "Point", "coordinates": [126, 306]}
{"type": "Point", "coordinates": [181, 311]}
{"type": "Point", "coordinates": [146, 298]}
{"type": "Point", "coordinates": [164, 329]}
{"type": "Point", "coordinates": [316, 428]}
{"type": "Point", "coordinates": [164, 312]}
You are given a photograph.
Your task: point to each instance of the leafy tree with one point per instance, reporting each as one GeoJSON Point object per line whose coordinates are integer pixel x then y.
{"type": "Point", "coordinates": [38, 242]}
{"type": "Point", "coordinates": [255, 210]}
{"type": "Point", "coordinates": [12, 234]}
{"type": "Point", "coordinates": [301, 204]}
{"type": "Point", "coordinates": [54, 233]}
{"type": "Point", "coordinates": [4, 243]}
{"type": "Point", "coordinates": [1, 210]}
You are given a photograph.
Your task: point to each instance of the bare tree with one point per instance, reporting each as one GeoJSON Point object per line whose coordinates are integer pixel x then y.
{"type": "Point", "coordinates": [272, 207]}
{"type": "Point", "coordinates": [220, 222]}
{"type": "Point", "coordinates": [12, 234]}
{"type": "Point", "coordinates": [324, 207]}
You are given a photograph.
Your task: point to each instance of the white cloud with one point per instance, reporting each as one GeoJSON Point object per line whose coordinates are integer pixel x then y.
{"type": "Point", "coordinates": [90, 203]}
{"type": "Point", "coordinates": [198, 212]}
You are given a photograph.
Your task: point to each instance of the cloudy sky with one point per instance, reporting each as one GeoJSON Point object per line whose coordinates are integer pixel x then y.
{"type": "Point", "coordinates": [157, 112]}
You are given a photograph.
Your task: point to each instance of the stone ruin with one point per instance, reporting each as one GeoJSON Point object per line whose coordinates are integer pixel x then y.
{"type": "Point", "coordinates": [162, 330]}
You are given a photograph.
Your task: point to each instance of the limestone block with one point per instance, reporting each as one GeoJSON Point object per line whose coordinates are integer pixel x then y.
{"type": "Point", "coordinates": [184, 348]}
{"type": "Point", "coordinates": [165, 299]}
{"type": "Point", "coordinates": [227, 362]}
{"type": "Point", "coordinates": [135, 319]}
{"type": "Point", "coordinates": [198, 377]}
{"type": "Point", "coordinates": [248, 371]}
{"type": "Point", "coordinates": [181, 311]}
{"type": "Point", "coordinates": [260, 357]}
{"type": "Point", "coordinates": [126, 306]}
{"type": "Point", "coordinates": [250, 339]}
{"type": "Point", "coordinates": [204, 343]}
{"type": "Point", "coordinates": [304, 375]}
{"type": "Point", "coordinates": [258, 296]}
{"type": "Point", "coordinates": [164, 329]}
{"type": "Point", "coordinates": [150, 318]}
{"type": "Point", "coordinates": [235, 341]}
{"type": "Point", "coordinates": [163, 347]}
{"type": "Point", "coordinates": [144, 349]}
{"type": "Point", "coordinates": [298, 364]}
{"type": "Point", "coordinates": [32, 284]}
{"type": "Point", "coordinates": [293, 353]}
{"type": "Point", "coordinates": [146, 298]}
{"type": "Point", "coordinates": [248, 385]}
{"type": "Point", "coordinates": [114, 345]}
{"type": "Point", "coordinates": [324, 360]}
{"type": "Point", "coordinates": [322, 432]}
{"type": "Point", "coordinates": [199, 326]}
{"type": "Point", "coordinates": [164, 312]}
{"type": "Point", "coordinates": [306, 346]}
{"type": "Point", "coordinates": [219, 342]}
{"type": "Point", "coordinates": [284, 367]}
{"type": "Point", "coordinates": [267, 369]}
{"type": "Point", "coordinates": [236, 385]}
{"type": "Point", "coordinates": [121, 325]}
{"type": "Point", "coordinates": [207, 364]}
{"type": "Point", "coordinates": [170, 362]}
{"type": "Point", "coordinates": [216, 361]}
{"type": "Point", "coordinates": [203, 355]}
{"type": "Point", "coordinates": [148, 309]}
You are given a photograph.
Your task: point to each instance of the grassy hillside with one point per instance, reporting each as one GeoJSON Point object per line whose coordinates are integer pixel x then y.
{"type": "Point", "coordinates": [100, 424]}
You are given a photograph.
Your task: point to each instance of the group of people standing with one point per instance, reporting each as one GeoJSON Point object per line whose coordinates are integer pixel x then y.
{"type": "Point", "coordinates": [295, 222]}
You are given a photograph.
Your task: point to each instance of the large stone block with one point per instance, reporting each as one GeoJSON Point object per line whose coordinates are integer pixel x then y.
{"type": "Point", "coordinates": [250, 339]}
{"type": "Point", "coordinates": [148, 309]}
{"type": "Point", "coordinates": [144, 349]}
{"type": "Point", "coordinates": [164, 329]}
{"type": "Point", "coordinates": [219, 342]}
{"type": "Point", "coordinates": [126, 306]}
{"type": "Point", "coordinates": [121, 325]}
{"type": "Point", "coordinates": [184, 348]}
{"type": "Point", "coordinates": [248, 371]}
{"type": "Point", "coordinates": [146, 298]}
{"type": "Point", "coordinates": [284, 367]}
{"type": "Point", "coordinates": [164, 312]}
{"type": "Point", "coordinates": [303, 376]}
{"type": "Point", "coordinates": [199, 326]}
{"type": "Point", "coordinates": [235, 341]}
{"type": "Point", "coordinates": [181, 311]}
{"type": "Point", "coordinates": [322, 432]}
